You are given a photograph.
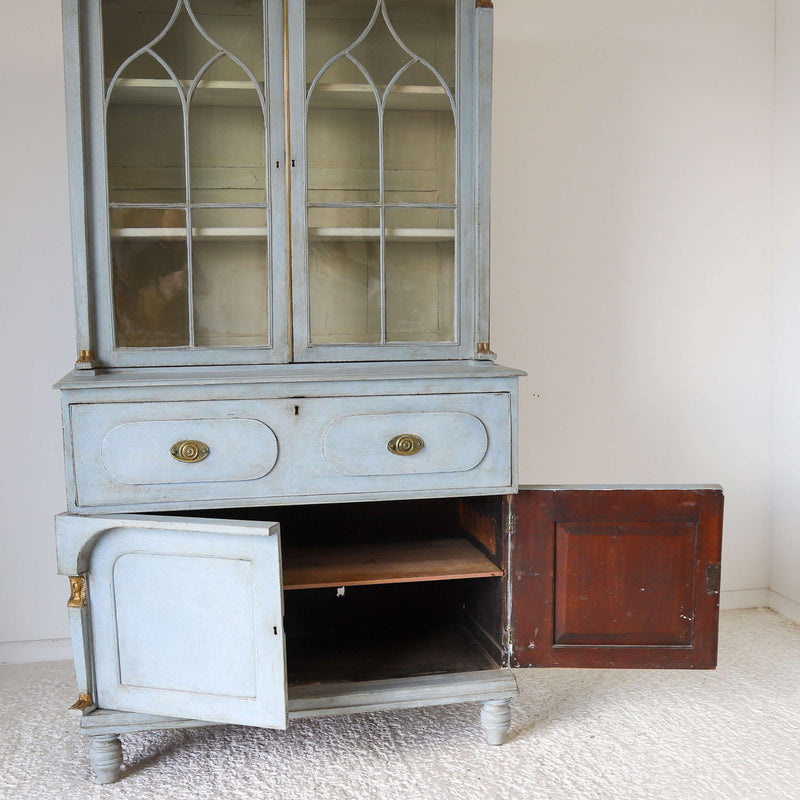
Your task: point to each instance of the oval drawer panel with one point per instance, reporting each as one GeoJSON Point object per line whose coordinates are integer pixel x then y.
{"type": "Point", "coordinates": [405, 444]}
{"type": "Point", "coordinates": [189, 451]}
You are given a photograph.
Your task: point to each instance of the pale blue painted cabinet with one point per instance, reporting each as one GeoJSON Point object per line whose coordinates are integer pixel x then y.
{"type": "Point", "coordinates": [291, 461]}
{"type": "Point", "coordinates": [281, 246]}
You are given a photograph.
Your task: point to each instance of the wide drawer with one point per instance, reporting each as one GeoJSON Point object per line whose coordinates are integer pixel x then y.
{"type": "Point", "coordinates": [206, 453]}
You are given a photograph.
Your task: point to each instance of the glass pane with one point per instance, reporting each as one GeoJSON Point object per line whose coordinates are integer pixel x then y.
{"type": "Point", "coordinates": [144, 138]}
{"type": "Point", "coordinates": [380, 53]}
{"type": "Point", "coordinates": [235, 26]}
{"type": "Point", "coordinates": [227, 146]}
{"type": "Point", "coordinates": [330, 29]}
{"type": "Point", "coordinates": [129, 25]}
{"type": "Point", "coordinates": [429, 30]}
{"type": "Point", "coordinates": [150, 277]}
{"type": "Point", "coordinates": [344, 276]}
{"type": "Point", "coordinates": [420, 275]}
{"type": "Point", "coordinates": [230, 277]}
{"type": "Point", "coordinates": [343, 152]}
{"type": "Point", "coordinates": [184, 48]}
{"type": "Point", "coordinates": [419, 140]}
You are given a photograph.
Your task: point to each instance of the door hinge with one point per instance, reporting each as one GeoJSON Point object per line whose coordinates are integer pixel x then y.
{"type": "Point", "coordinates": [510, 524]}
{"type": "Point", "coordinates": [509, 634]}
{"type": "Point", "coordinates": [77, 596]}
{"type": "Point", "coordinates": [713, 578]}
{"type": "Point", "coordinates": [508, 645]}
{"type": "Point", "coordinates": [83, 702]}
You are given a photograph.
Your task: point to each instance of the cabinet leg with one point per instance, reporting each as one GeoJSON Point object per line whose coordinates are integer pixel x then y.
{"type": "Point", "coordinates": [496, 720]}
{"type": "Point", "coordinates": [105, 757]}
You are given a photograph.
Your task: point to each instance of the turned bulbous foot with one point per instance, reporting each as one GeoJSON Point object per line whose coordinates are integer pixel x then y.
{"type": "Point", "coordinates": [496, 720]}
{"type": "Point", "coordinates": [105, 757]}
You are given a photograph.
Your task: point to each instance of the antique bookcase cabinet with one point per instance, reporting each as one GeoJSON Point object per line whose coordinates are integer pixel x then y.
{"type": "Point", "coordinates": [280, 214]}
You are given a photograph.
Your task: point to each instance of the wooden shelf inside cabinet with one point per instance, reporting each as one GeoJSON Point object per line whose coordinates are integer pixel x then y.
{"type": "Point", "coordinates": [396, 562]}
{"type": "Point", "coordinates": [431, 235]}
{"type": "Point", "coordinates": [198, 234]}
{"type": "Point", "coordinates": [361, 96]}
{"type": "Point", "coordinates": [163, 92]}
{"type": "Point", "coordinates": [384, 655]}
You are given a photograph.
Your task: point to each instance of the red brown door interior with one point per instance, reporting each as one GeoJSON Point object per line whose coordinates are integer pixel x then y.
{"type": "Point", "coordinates": [616, 577]}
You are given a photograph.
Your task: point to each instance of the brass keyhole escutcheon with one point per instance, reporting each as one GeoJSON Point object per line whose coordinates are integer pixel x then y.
{"type": "Point", "coordinates": [406, 444]}
{"type": "Point", "coordinates": [189, 451]}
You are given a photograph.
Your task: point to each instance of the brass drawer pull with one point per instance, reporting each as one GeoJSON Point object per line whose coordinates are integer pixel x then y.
{"type": "Point", "coordinates": [406, 444]}
{"type": "Point", "coordinates": [189, 451]}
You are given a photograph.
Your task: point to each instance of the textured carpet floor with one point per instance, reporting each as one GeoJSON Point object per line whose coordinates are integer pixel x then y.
{"type": "Point", "coordinates": [731, 734]}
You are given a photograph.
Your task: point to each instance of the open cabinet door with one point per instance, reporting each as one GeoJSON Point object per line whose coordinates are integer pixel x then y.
{"type": "Point", "coordinates": [183, 617]}
{"type": "Point", "coordinates": [616, 577]}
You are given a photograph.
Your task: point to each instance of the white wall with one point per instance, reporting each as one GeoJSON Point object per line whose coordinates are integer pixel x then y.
{"type": "Point", "coordinates": [631, 246]}
{"type": "Point", "coordinates": [785, 567]}
{"type": "Point", "coordinates": [631, 256]}
{"type": "Point", "coordinates": [36, 318]}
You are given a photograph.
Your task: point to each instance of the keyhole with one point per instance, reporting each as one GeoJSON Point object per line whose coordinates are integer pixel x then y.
{"type": "Point", "coordinates": [275, 629]}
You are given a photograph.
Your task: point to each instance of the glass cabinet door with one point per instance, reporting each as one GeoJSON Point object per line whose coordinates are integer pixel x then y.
{"type": "Point", "coordinates": [376, 206]}
{"type": "Point", "coordinates": [194, 250]}
{"type": "Point", "coordinates": [208, 119]}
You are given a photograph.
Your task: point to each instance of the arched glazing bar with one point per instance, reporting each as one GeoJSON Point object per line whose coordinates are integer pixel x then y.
{"type": "Point", "coordinates": [387, 96]}
{"type": "Point", "coordinates": [175, 222]}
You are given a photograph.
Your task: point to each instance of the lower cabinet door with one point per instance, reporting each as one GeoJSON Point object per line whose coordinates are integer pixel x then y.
{"type": "Point", "coordinates": [186, 615]}
{"type": "Point", "coordinates": [616, 577]}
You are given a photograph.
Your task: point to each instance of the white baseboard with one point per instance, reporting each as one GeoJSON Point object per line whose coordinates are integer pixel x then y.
{"type": "Point", "coordinates": [29, 652]}
{"type": "Point", "coordinates": [785, 606]}
{"type": "Point", "coordinates": [760, 598]}
{"type": "Point", "coordinates": [744, 598]}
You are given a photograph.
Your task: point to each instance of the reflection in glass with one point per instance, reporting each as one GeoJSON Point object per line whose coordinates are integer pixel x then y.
{"type": "Point", "coordinates": [144, 141]}
{"type": "Point", "coordinates": [150, 278]}
{"type": "Point", "coordinates": [420, 275]}
{"type": "Point", "coordinates": [344, 279]}
{"type": "Point", "coordinates": [227, 151]}
{"type": "Point", "coordinates": [230, 284]}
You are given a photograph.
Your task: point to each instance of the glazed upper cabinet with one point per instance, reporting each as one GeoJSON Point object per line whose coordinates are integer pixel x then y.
{"type": "Point", "coordinates": [271, 181]}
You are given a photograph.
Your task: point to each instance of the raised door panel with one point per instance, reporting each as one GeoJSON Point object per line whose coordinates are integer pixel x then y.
{"type": "Point", "coordinates": [616, 577]}
{"type": "Point", "coordinates": [186, 617]}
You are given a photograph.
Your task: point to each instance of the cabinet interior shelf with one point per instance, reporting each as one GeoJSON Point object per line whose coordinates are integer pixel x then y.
{"type": "Point", "coordinates": [315, 234]}
{"type": "Point", "coordinates": [163, 92]}
{"type": "Point", "coordinates": [397, 562]}
{"type": "Point", "coordinates": [392, 234]}
{"type": "Point", "coordinates": [198, 234]}
{"type": "Point", "coordinates": [361, 96]}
